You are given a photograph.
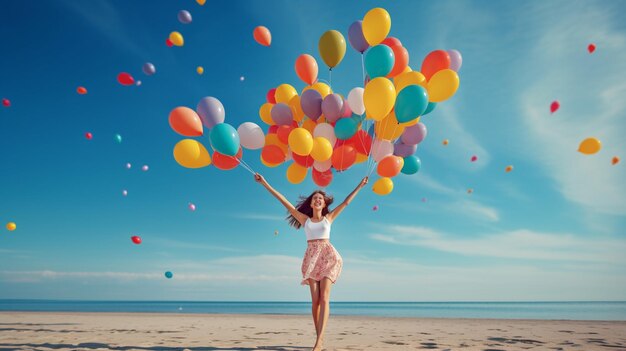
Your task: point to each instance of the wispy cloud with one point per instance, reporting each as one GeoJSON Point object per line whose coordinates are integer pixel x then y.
{"type": "Point", "coordinates": [169, 243]}
{"type": "Point", "coordinates": [431, 183]}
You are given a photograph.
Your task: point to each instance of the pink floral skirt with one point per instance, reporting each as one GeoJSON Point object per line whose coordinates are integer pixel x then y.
{"type": "Point", "coordinates": [321, 260]}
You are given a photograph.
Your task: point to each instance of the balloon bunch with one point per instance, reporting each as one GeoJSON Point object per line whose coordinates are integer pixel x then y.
{"type": "Point", "coordinates": [379, 124]}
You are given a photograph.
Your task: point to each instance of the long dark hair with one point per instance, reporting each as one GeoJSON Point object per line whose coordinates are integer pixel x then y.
{"type": "Point", "coordinates": [304, 206]}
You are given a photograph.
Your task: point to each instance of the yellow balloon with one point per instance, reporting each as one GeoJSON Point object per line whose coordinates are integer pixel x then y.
{"type": "Point", "coordinates": [201, 2]}
{"type": "Point", "coordinates": [301, 141]}
{"type": "Point", "coordinates": [379, 98]}
{"type": "Point", "coordinates": [376, 25]}
{"type": "Point", "coordinates": [296, 109]}
{"type": "Point", "coordinates": [442, 85]}
{"type": "Point", "coordinates": [309, 125]}
{"type": "Point", "coordinates": [11, 226]}
{"type": "Point", "coordinates": [403, 80]}
{"type": "Point", "coordinates": [272, 139]}
{"type": "Point", "coordinates": [589, 146]}
{"type": "Point", "coordinates": [284, 93]}
{"type": "Point", "coordinates": [191, 154]}
{"type": "Point", "coordinates": [332, 47]}
{"type": "Point", "coordinates": [320, 87]}
{"type": "Point", "coordinates": [411, 122]}
{"type": "Point", "coordinates": [322, 149]}
{"type": "Point", "coordinates": [383, 186]}
{"type": "Point", "coordinates": [200, 69]}
{"type": "Point", "coordinates": [267, 164]}
{"type": "Point", "coordinates": [177, 39]}
{"type": "Point", "coordinates": [296, 173]}
{"type": "Point", "coordinates": [266, 113]}
{"type": "Point", "coordinates": [360, 158]}
{"type": "Point", "coordinates": [407, 69]}
{"type": "Point", "coordinates": [389, 128]}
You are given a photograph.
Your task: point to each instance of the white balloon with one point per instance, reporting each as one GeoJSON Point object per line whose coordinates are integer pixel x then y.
{"type": "Point", "coordinates": [355, 100]}
{"type": "Point", "coordinates": [327, 131]}
{"type": "Point", "coordinates": [323, 166]}
{"type": "Point", "coordinates": [251, 136]}
{"type": "Point", "coordinates": [381, 149]}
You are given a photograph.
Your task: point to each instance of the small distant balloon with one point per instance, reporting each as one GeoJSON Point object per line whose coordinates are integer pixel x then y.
{"type": "Point", "coordinates": [81, 90]}
{"type": "Point", "coordinates": [424, 199]}
{"type": "Point", "coordinates": [200, 69]}
{"type": "Point", "coordinates": [262, 36]}
{"type": "Point", "coordinates": [242, 78]}
{"type": "Point", "coordinates": [144, 168]}
{"type": "Point", "coordinates": [591, 48]}
{"type": "Point", "coordinates": [148, 69]}
{"type": "Point", "coordinates": [508, 169]}
{"type": "Point", "coordinates": [11, 226]}
{"type": "Point", "coordinates": [184, 17]}
{"type": "Point", "coordinates": [554, 106]}
{"type": "Point", "coordinates": [125, 79]}
{"type": "Point", "coordinates": [445, 142]}
{"type": "Point", "coordinates": [128, 165]}
{"type": "Point", "coordinates": [470, 190]}
{"type": "Point", "coordinates": [168, 42]}
{"type": "Point", "coordinates": [192, 207]}
{"type": "Point", "coordinates": [474, 158]}
{"type": "Point", "coordinates": [118, 138]}
{"type": "Point", "coordinates": [276, 232]}
{"type": "Point", "coordinates": [6, 102]}
{"type": "Point", "coordinates": [615, 160]}
{"type": "Point", "coordinates": [375, 208]}
{"type": "Point", "coordinates": [88, 135]}
{"type": "Point", "coordinates": [177, 39]}
{"type": "Point", "coordinates": [138, 83]}
{"type": "Point", "coordinates": [589, 146]}
{"type": "Point", "coordinates": [201, 2]}
{"type": "Point", "coordinates": [169, 275]}
{"type": "Point", "coordinates": [136, 239]}
{"type": "Point", "coordinates": [125, 192]}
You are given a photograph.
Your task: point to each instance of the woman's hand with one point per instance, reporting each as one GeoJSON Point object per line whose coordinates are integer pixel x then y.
{"type": "Point", "coordinates": [259, 178]}
{"type": "Point", "coordinates": [363, 182]}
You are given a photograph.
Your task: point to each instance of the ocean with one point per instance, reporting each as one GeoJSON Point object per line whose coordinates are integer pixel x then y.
{"type": "Point", "coordinates": [583, 310]}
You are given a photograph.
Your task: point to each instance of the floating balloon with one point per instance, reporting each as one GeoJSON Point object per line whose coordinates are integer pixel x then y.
{"type": "Point", "coordinates": [296, 173]}
{"type": "Point", "coordinates": [474, 158]}
{"type": "Point", "coordinates": [270, 96]}
{"type": "Point", "coordinates": [6, 102]}
{"type": "Point", "coordinates": [128, 165]}
{"type": "Point", "coordinates": [200, 70]}
{"type": "Point", "coordinates": [176, 38]}
{"type": "Point", "coordinates": [379, 61]}
{"type": "Point", "coordinates": [411, 102]}
{"type": "Point", "coordinates": [118, 138]}
{"type": "Point", "coordinates": [306, 68]}
{"type": "Point", "coordinates": [169, 275]}
{"type": "Point", "coordinates": [390, 166]}
{"type": "Point", "coordinates": [411, 165]}
{"type": "Point", "coordinates": [11, 226]}
{"type": "Point", "coordinates": [311, 104]}
{"type": "Point", "coordinates": [169, 43]}
{"type": "Point", "coordinates": [304, 161]}
{"type": "Point", "coordinates": [251, 136]}
{"type": "Point", "coordinates": [322, 179]}
{"type": "Point", "coordinates": [589, 146]}
{"type": "Point", "coordinates": [400, 60]}
{"type": "Point", "coordinates": [225, 139]}
{"type": "Point", "coordinates": [356, 37]}
{"type": "Point", "coordinates": [148, 69]}
{"type": "Point", "coordinates": [383, 186]}
{"type": "Point", "coordinates": [554, 106]}
{"type": "Point", "coordinates": [225, 163]}
{"type": "Point", "coordinates": [301, 141]}
{"type": "Point", "coordinates": [445, 142]}
{"type": "Point", "coordinates": [375, 208]}
{"type": "Point", "coordinates": [242, 78]}
{"type": "Point", "coordinates": [456, 60]}
{"type": "Point", "coordinates": [414, 134]}
{"type": "Point", "coordinates": [262, 36]}
{"type": "Point", "coordinates": [284, 93]}
{"type": "Point", "coordinates": [282, 114]}
{"type": "Point", "coordinates": [191, 207]}
{"type": "Point", "coordinates": [211, 111]}
{"type": "Point", "coordinates": [190, 153]}
{"type": "Point", "coordinates": [332, 48]}
{"type": "Point", "coordinates": [88, 135]}
{"type": "Point", "coordinates": [409, 78]}
{"type": "Point", "coordinates": [442, 85]}
{"type": "Point", "coordinates": [343, 157]}
{"type": "Point", "coordinates": [320, 87]}
{"type": "Point", "coordinates": [273, 154]}
{"type": "Point", "coordinates": [322, 149]}
{"type": "Point", "coordinates": [125, 79]}
{"type": "Point", "coordinates": [332, 107]}
{"type": "Point", "coordinates": [81, 90]}
{"type": "Point", "coordinates": [345, 128]}
{"type": "Point", "coordinates": [138, 83]}
{"type": "Point", "coordinates": [376, 25]}
{"type": "Point", "coordinates": [124, 192]}
{"type": "Point", "coordinates": [136, 239]}
{"type": "Point", "coordinates": [145, 168]}
{"type": "Point", "coordinates": [591, 48]}
{"type": "Point", "coordinates": [434, 62]}
{"type": "Point", "coordinates": [355, 100]}
{"type": "Point", "coordinates": [184, 17]}
{"type": "Point", "coordinates": [423, 199]}
{"type": "Point", "coordinates": [430, 108]}
{"type": "Point", "coordinates": [470, 190]}
{"type": "Point", "coordinates": [379, 98]}
{"type": "Point", "coordinates": [381, 149]}
{"type": "Point", "coordinates": [327, 131]}
{"type": "Point", "coordinates": [615, 160]}
{"type": "Point", "coordinates": [185, 121]}
{"type": "Point", "coordinates": [508, 169]}
{"type": "Point", "coordinates": [404, 150]}
{"type": "Point", "coordinates": [201, 2]}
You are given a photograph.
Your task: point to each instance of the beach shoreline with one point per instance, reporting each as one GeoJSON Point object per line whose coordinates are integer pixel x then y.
{"type": "Point", "coordinates": [289, 332]}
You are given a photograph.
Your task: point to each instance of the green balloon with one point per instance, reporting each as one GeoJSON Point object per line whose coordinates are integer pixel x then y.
{"type": "Point", "coordinates": [118, 138]}
{"type": "Point", "coordinates": [412, 164]}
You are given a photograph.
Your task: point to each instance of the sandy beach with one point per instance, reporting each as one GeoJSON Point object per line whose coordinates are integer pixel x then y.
{"type": "Point", "coordinates": [146, 331]}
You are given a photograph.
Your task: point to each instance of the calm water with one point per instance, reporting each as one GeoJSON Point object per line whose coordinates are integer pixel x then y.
{"type": "Point", "coordinates": [514, 310]}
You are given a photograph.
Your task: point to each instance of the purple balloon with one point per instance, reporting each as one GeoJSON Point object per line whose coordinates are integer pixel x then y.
{"type": "Point", "coordinates": [311, 103]}
{"type": "Point", "coordinates": [148, 69]}
{"type": "Point", "coordinates": [332, 107]}
{"type": "Point", "coordinates": [281, 114]}
{"type": "Point", "coordinates": [404, 150]}
{"type": "Point", "coordinates": [184, 17]}
{"type": "Point", "coordinates": [414, 134]}
{"type": "Point", "coordinates": [356, 37]}
{"type": "Point", "coordinates": [456, 60]}
{"type": "Point", "coordinates": [211, 111]}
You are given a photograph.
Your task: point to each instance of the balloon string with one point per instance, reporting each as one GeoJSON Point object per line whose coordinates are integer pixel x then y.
{"type": "Point", "coordinates": [363, 69]}
{"type": "Point", "coordinates": [246, 166]}
{"type": "Point", "coordinates": [330, 78]}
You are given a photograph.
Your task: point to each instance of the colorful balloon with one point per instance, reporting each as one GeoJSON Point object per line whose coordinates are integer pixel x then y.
{"type": "Point", "coordinates": [411, 165]}
{"type": "Point", "coordinates": [6, 102]}
{"type": "Point", "coordinates": [262, 35]}
{"type": "Point", "coordinates": [185, 121]}
{"type": "Point", "coordinates": [306, 68]}
{"type": "Point", "coordinates": [284, 93]}
{"type": "Point", "coordinates": [355, 100]}
{"type": "Point", "coordinates": [251, 136]}
{"type": "Point", "coordinates": [327, 131]}
{"type": "Point", "coordinates": [375, 208]}
{"type": "Point", "coordinates": [125, 79]}
{"type": "Point", "coordinates": [118, 138]}
{"type": "Point", "coordinates": [434, 62]}
{"type": "Point", "coordinates": [169, 275]}
{"type": "Point", "coordinates": [400, 61]}
{"type": "Point", "coordinates": [332, 48]}
{"type": "Point", "coordinates": [376, 25]}
{"type": "Point", "coordinates": [456, 60]}
{"type": "Point", "coordinates": [311, 104]}
{"type": "Point", "coordinates": [176, 38]}
{"type": "Point", "coordinates": [345, 128]}
{"type": "Point", "coordinates": [445, 142]}
{"type": "Point", "coordinates": [404, 150]}
{"type": "Point", "coordinates": [184, 17]}
{"type": "Point", "coordinates": [442, 85]}
{"type": "Point", "coordinates": [322, 149]}
{"type": "Point", "coordinates": [379, 98]}
{"type": "Point", "coordinates": [430, 108]}
{"type": "Point", "coordinates": [474, 158]}
{"type": "Point", "coordinates": [508, 169]}
{"type": "Point", "coordinates": [201, 2]}
{"type": "Point", "coordinates": [124, 192]}
{"type": "Point", "coordinates": [379, 61]}
{"type": "Point", "coordinates": [211, 111]}
{"type": "Point", "coordinates": [128, 165]}
{"type": "Point", "coordinates": [148, 69]}
{"type": "Point", "coordinates": [322, 179]}
{"type": "Point", "coordinates": [200, 70]}
{"type": "Point", "coordinates": [270, 96]}
{"type": "Point", "coordinates": [145, 168]}
{"type": "Point", "coordinates": [356, 37]}
{"type": "Point", "coordinates": [11, 226]}
{"type": "Point", "coordinates": [591, 48]}
{"type": "Point", "coordinates": [320, 87]}
{"type": "Point", "coordinates": [225, 139]}
{"type": "Point", "coordinates": [282, 114]}
{"type": "Point", "coordinates": [390, 166]}
{"type": "Point", "coordinates": [343, 157]}
{"type": "Point", "coordinates": [615, 160]}
{"type": "Point", "coordinates": [273, 154]}
{"type": "Point", "coordinates": [589, 146]}
{"type": "Point", "coordinates": [169, 43]}
{"type": "Point", "coordinates": [190, 153]}
{"type": "Point", "coordinates": [381, 149]}
{"type": "Point", "coordinates": [554, 106]}
{"type": "Point", "coordinates": [81, 90]}
{"type": "Point", "coordinates": [89, 136]}
{"type": "Point", "coordinates": [409, 78]}
{"type": "Point", "coordinates": [414, 134]}
{"type": "Point", "coordinates": [301, 141]}
{"type": "Point", "coordinates": [136, 239]}
{"type": "Point", "coordinates": [383, 186]}
{"type": "Point", "coordinates": [411, 102]}
{"type": "Point", "coordinates": [296, 174]}
{"type": "Point", "coordinates": [265, 112]}
{"type": "Point", "coordinates": [332, 107]}
{"type": "Point", "coordinates": [225, 163]}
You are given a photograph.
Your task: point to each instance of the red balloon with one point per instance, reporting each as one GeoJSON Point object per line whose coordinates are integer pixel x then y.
{"type": "Point", "coordinates": [361, 141]}
{"type": "Point", "coordinates": [391, 42]}
{"type": "Point", "coordinates": [125, 79]}
{"type": "Point", "coordinates": [435, 62]}
{"type": "Point", "coordinates": [273, 154]}
{"type": "Point", "coordinates": [168, 42]}
{"type": "Point", "coordinates": [136, 239]}
{"type": "Point", "coordinates": [273, 129]}
{"type": "Point", "coordinates": [225, 163]}
{"type": "Point", "coordinates": [283, 134]}
{"type": "Point", "coordinates": [304, 161]}
{"type": "Point", "coordinates": [401, 60]}
{"type": "Point", "coordinates": [81, 90]}
{"type": "Point", "coordinates": [6, 102]}
{"type": "Point", "coordinates": [88, 136]}
{"type": "Point", "coordinates": [591, 48]}
{"type": "Point", "coordinates": [554, 106]}
{"type": "Point", "coordinates": [270, 96]}
{"type": "Point", "coordinates": [322, 179]}
{"type": "Point", "coordinates": [474, 158]}
{"type": "Point", "coordinates": [343, 157]}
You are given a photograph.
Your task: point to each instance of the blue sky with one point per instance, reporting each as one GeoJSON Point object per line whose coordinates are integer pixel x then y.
{"type": "Point", "coordinates": [552, 229]}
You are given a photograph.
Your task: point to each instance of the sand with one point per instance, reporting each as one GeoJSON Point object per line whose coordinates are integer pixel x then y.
{"type": "Point", "coordinates": [147, 331]}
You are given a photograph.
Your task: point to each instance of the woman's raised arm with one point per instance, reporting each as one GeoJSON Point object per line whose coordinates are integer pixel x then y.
{"type": "Point", "coordinates": [301, 217]}
{"type": "Point", "coordinates": [335, 213]}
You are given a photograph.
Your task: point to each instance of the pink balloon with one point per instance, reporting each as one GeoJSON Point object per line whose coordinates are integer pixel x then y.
{"type": "Point", "coordinates": [554, 106]}
{"type": "Point", "coordinates": [474, 158]}
{"type": "Point", "coordinates": [88, 135]}
{"type": "Point", "coordinates": [192, 207]}
{"type": "Point", "coordinates": [6, 102]}
{"type": "Point", "coordinates": [144, 168]}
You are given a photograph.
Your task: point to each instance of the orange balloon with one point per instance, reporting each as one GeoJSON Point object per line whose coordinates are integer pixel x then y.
{"type": "Point", "coordinates": [435, 62]}
{"type": "Point", "coordinates": [81, 90]}
{"type": "Point", "coordinates": [306, 68]}
{"type": "Point", "coordinates": [508, 169]}
{"type": "Point", "coordinates": [265, 112]}
{"type": "Point", "coordinates": [185, 121]}
{"type": "Point", "coordinates": [401, 56]}
{"type": "Point", "coordinates": [296, 108]}
{"type": "Point", "coordinates": [615, 160]}
{"type": "Point", "coordinates": [309, 125]}
{"type": "Point", "coordinates": [343, 157]}
{"type": "Point", "coordinates": [272, 139]}
{"type": "Point", "coordinates": [283, 133]}
{"type": "Point", "coordinates": [262, 35]}
{"type": "Point", "coordinates": [322, 179]}
{"type": "Point", "coordinates": [224, 162]}
{"type": "Point", "coordinates": [390, 166]}
{"type": "Point", "coordinates": [273, 154]}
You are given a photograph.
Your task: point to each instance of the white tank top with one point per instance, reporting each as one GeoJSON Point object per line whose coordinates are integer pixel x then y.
{"type": "Point", "coordinates": [317, 230]}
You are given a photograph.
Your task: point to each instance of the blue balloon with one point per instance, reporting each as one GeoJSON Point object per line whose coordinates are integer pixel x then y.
{"type": "Point", "coordinates": [345, 128]}
{"type": "Point", "coordinates": [379, 61]}
{"type": "Point", "coordinates": [430, 108]}
{"type": "Point", "coordinates": [356, 37]}
{"type": "Point", "coordinates": [411, 103]}
{"type": "Point", "coordinates": [412, 164]}
{"type": "Point", "coordinates": [224, 139]}
{"type": "Point", "coordinates": [169, 275]}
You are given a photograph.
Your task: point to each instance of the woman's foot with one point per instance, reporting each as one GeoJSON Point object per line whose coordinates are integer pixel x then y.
{"type": "Point", "coordinates": [318, 345]}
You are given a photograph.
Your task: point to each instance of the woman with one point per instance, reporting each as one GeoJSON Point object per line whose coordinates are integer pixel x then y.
{"type": "Point", "coordinates": [322, 264]}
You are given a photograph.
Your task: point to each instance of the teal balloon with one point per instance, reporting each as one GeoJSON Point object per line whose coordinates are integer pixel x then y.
{"type": "Point", "coordinates": [169, 275]}
{"type": "Point", "coordinates": [412, 164]}
{"type": "Point", "coordinates": [118, 138]}
{"type": "Point", "coordinates": [430, 108]}
{"type": "Point", "coordinates": [379, 61]}
{"type": "Point", "coordinates": [411, 103]}
{"type": "Point", "coordinates": [345, 128]}
{"type": "Point", "coordinates": [224, 139]}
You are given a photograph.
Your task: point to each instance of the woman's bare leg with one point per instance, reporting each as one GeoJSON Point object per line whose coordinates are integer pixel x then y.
{"type": "Point", "coordinates": [314, 285]}
{"type": "Point", "coordinates": [324, 302]}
